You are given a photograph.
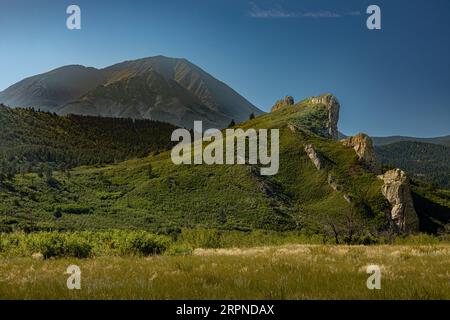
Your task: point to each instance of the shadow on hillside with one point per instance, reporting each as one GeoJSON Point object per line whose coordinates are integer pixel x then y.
{"type": "Point", "coordinates": [432, 216]}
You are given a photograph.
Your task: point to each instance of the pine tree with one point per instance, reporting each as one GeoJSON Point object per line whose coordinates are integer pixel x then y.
{"type": "Point", "coordinates": [150, 171]}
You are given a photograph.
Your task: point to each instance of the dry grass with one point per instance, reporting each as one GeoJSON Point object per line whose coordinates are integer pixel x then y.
{"type": "Point", "coordinates": [282, 272]}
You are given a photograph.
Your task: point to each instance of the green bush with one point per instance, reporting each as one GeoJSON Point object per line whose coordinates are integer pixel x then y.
{"type": "Point", "coordinates": [179, 250]}
{"type": "Point", "coordinates": [83, 244]}
{"type": "Point", "coordinates": [142, 243]}
{"type": "Point", "coordinates": [72, 209]}
{"type": "Point", "coordinates": [201, 238]}
{"type": "Point", "coordinates": [77, 247]}
{"type": "Point", "coordinates": [87, 244]}
{"type": "Point", "coordinates": [49, 244]}
{"type": "Point", "coordinates": [420, 239]}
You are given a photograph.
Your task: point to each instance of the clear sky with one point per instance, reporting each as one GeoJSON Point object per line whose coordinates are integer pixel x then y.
{"type": "Point", "coordinates": [394, 81]}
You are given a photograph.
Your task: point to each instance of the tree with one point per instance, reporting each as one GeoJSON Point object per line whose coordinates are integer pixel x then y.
{"type": "Point", "coordinates": [232, 124]}
{"type": "Point", "coordinates": [150, 171]}
{"type": "Point", "coordinates": [57, 214]}
{"type": "Point", "coordinates": [252, 116]}
{"type": "Point", "coordinates": [48, 173]}
{"type": "Point", "coordinates": [346, 227]}
{"type": "Point", "coordinates": [40, 171]}
{"type": "Point", "coordinates": [2, 171]}
{"type": "Point", "coordinates": [222, 217]}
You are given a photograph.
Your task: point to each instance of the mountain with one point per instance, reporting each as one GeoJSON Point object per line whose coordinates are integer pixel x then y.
{"type": "Point", "coordinates": [53, 89]}
{"type": "Point", "coordinates": [323, 187]}
{"type": "Point", "coordinates": [425, 161]}
{"type": "Point", "coordinates": [381, 141]}
{"type": "Point", "coordinates": [157, 88]}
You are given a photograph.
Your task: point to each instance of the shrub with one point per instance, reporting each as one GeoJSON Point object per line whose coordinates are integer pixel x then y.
{"type": "Point", "coordinates": [179, 250]}
{"type": "Point", "coordinates": [142, 243]}
{"type": "Point", "coordinates": [49, 244]}
{"type": "Point", "coordinates": [77, 247]}
{"type": "Point", "coordinates": [57, 214]}
{"type": "Point", "coordinates": [72, 209]}
{"type": "Point", "coordinates": [201, 238]}
{"type": "Point", "coordinates": [418, 239]}
{"type": "Point", "coordinates": [83, 244]}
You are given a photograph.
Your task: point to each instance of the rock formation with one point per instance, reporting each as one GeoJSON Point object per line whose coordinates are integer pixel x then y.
{"type": "Point", "coordinates": [334, 184]}
{"type": "Point", "coordinates": [397, 191]}
{"type": "Point", "coordinates": [363, 146]}
{"type": "Point", "coordinates": [333, 106]}
{"type": "Point", "coordinates": [287, 101]}
{"type": "Point", "coordinates": [314, 156]}
{"type": "Point", "coordinates": [292, 127]}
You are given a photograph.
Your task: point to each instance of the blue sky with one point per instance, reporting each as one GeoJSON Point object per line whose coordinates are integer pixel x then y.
{"type": "Point", "coordinates": [394, 81]}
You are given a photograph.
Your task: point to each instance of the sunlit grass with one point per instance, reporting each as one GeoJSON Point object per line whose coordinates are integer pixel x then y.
{"type": "Point", "coordinates": [280, 272]}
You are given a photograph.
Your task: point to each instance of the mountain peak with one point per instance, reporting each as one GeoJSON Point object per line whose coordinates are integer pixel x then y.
{"type": "Point", "coordinates": [324, 115]}
{"type": "Point", "coordinates": [159, 88]}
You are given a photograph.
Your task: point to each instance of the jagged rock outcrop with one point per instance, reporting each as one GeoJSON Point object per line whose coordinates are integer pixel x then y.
{"type": "Point", "coordinates": [333, 106]}
{"type": "Point", "coordinates": [363, 146]}
{"type": "Point", "coordinates": [287, 101]}
{"type": "Point", "coordinates": [397, 191]}
{"type": "Point", "coordinates": [314, 156]}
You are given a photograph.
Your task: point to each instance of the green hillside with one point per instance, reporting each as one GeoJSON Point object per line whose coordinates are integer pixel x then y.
{"type": "Point", "coordinates": [33, 141]}
{"type": "Point", "coordinates": [424, 161]}
{"type": "Point", "coordinates": [152, 193]}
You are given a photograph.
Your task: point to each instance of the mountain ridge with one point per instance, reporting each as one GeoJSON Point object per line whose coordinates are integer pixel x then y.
{"type": "Point", "coordinates": [440, 140]}
{"type": "Point", "coordinates": [425, 161]}
{"type": "Point", "coordinates": [159, 88]}
{"type": "Point", "coordinates": [381, 141]}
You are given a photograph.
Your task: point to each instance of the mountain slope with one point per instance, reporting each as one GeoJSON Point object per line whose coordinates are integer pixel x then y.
{"type": "Point", "coordinates": [348, 207]}
{"type": "Point", "coordinates": [50, 90]}
{"type": "Point", "coordinates": [29, 139]}
{"type": "Point", "coordinates": [425, 161]}
{"type": "Point", "coordinates": [381, 141]}
{"type": "Point", "coordinates": [157, 88]}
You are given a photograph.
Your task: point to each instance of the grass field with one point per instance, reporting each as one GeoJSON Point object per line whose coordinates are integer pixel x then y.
{"type": "Point", "coordinates": [273, 272]}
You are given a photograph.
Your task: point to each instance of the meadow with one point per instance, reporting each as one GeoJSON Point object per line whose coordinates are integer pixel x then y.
{"type": "Point", "coordinates": [280, 272]}
{"type": "Point", "coordinates": [410, 269]}
{"type": "Point", "coordinates": [147, 229]}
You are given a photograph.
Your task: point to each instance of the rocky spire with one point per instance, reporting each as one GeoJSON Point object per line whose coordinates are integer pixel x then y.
{"type": "Point", "coordinates": [397, 191]}
{"type": "Point", "coordinates": [333, 106]}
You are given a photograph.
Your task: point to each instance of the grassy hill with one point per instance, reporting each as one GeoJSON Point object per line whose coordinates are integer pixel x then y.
{"type": "Point", "coordinates": [167, 198]}
{"type": "Point", "coordinates": [424, 161]}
